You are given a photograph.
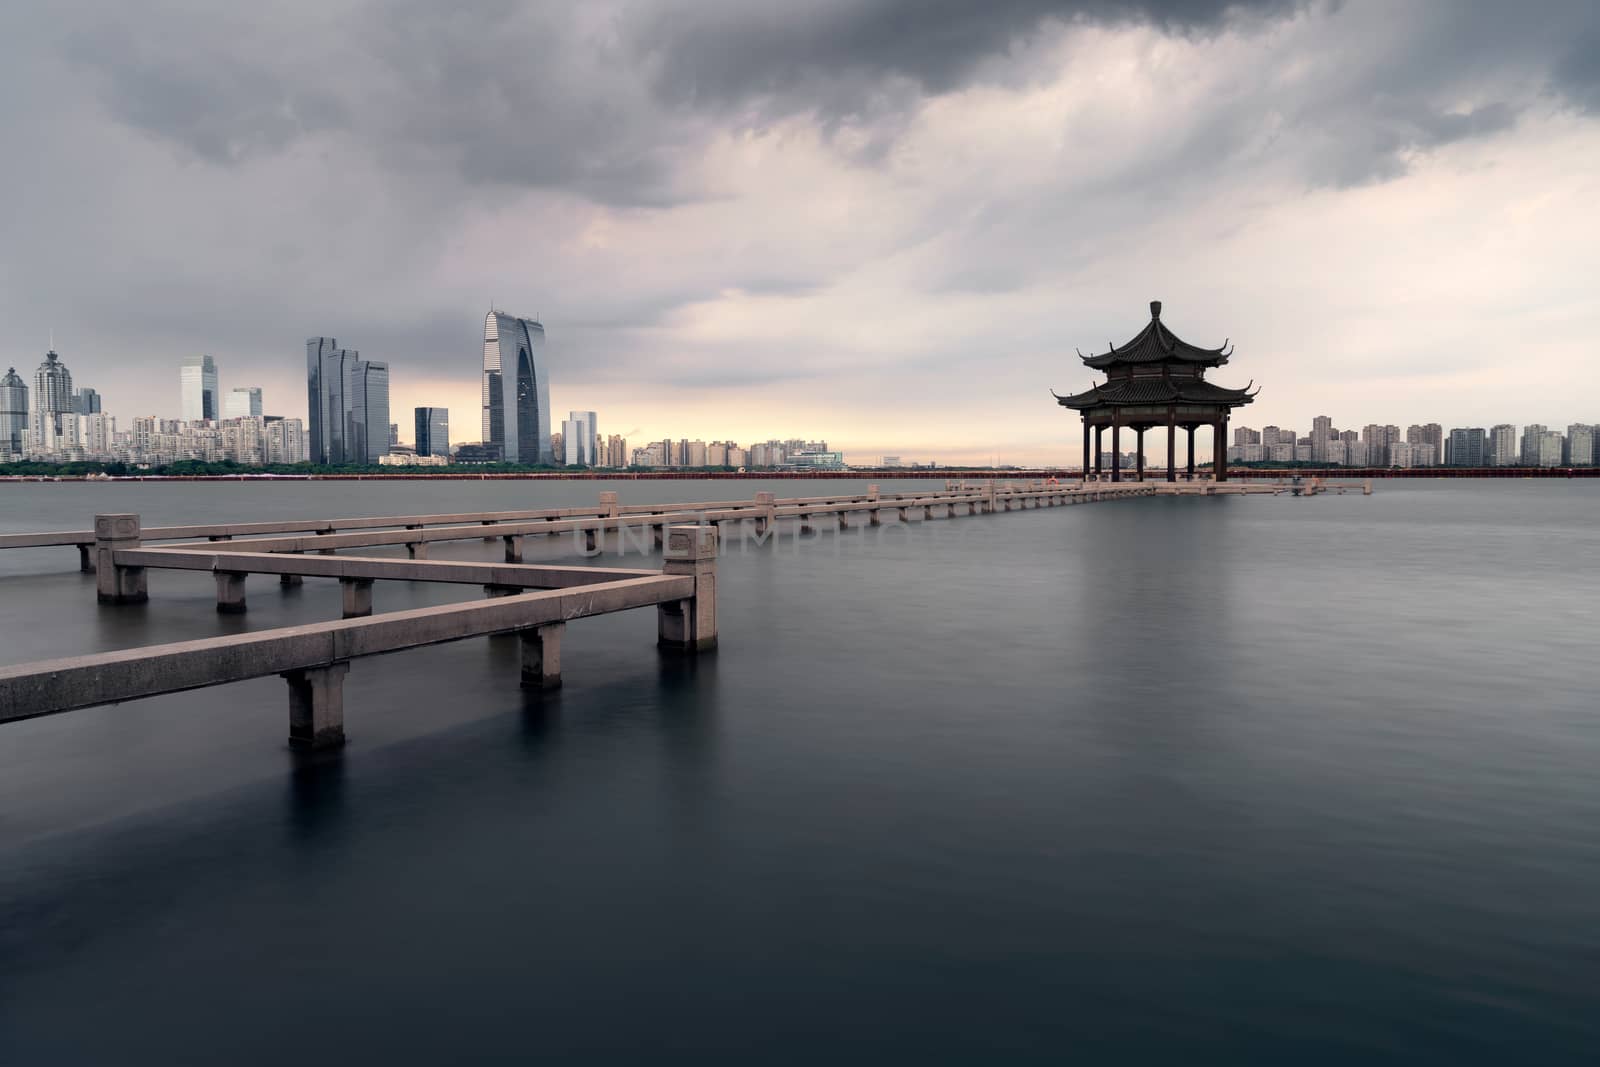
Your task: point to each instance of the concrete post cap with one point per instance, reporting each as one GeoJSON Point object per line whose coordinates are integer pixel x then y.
{"type": "Point", "coordinates": [115, 527]}
{"type": "Point", "coordinates": [691, 542]}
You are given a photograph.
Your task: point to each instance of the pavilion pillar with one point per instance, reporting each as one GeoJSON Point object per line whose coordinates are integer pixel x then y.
{"type": "Point", "coordinates": [1172, 446]}
{"type": "Point", "coordinates": [1099, 451]}
{"type": "Point", "coordinates": [1086, 445]}
{"type": "Point", "coordinates": [1190, 430]}
{"type": "Point", "coordinates": [1219, 449]}
{"type": "Point", "coordinates": [1139, 459]}
{"type": "Point", "coordinates": [1116, 447]}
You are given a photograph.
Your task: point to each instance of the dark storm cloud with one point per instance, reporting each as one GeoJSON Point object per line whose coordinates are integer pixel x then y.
{"type": "Point", "coordinates": [614, 102]}
{"type": "Point", "coordinates": [832, 54]}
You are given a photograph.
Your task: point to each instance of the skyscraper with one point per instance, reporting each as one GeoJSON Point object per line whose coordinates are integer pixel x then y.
{"type": "Point", "coordinates": [327, 376]}
{"type": "Point", "coordinates": [243, 401]}
{"type": "Point", "coordinates": [87, 402]}
{"type": "Point", "coordinates": [197, 380]}
{"type": "Point", "coordinates": [516, 390]}
{"type": "Point", "coordinates": [433, 432]}
{"type": "Point", "coordinates": [580, 439]}
{"type": "Point", "coordinates": [13, 413]}
{"type": "Point", "coordinates": [367, 433]}
{"type": "Point", "coordinates": [52, 402]}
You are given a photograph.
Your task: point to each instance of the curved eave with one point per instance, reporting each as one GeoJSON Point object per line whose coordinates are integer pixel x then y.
{"type": "Point", "coordinates": [1157, 344]}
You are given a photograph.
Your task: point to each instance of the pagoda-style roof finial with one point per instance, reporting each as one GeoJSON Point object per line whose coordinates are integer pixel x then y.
{"type": "Point", "coordinates": [1155, 309]}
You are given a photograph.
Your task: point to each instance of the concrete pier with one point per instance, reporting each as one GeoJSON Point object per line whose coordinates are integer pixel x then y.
{"type": "Point", "coordinates": [230, 593]}
{"type": "Point", "coordinates": [690, 625]}
{"type": "Point", "coordinates": [357, 595]}
{"type": "Point", "coordinates": [514, 547]}
{"type": "Point", "coordinates": [541, 656]}
{"type": "Point", "coordinates": [316, 706]}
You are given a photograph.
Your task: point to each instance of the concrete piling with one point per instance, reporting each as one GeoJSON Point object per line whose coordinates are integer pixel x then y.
{"type": "Point", "coordinates": [690, 625]}
{"type": "Point", "coordinates": [513, 548]}
{"type": "Point", "coordinates": [417, 549]}
{"type": "Point", "coordinates": [541, 656]}
{"type": "Point", "coordinates": [316, 706]}
{"type": "Point", "coordinates": [230, 593]}
{"type": "Point", "coordinates": [357, 595]}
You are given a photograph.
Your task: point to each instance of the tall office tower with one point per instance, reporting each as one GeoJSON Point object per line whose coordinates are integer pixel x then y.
{"type": "Point", "coordinates": [1465, 447]}
{"type": "Point", "coordinates": [197, 379]}
{"type": "Point", "coordinates": [433, 432]}
{"type": "Point", "coordinates": [13, 414]}
{"type": "Point", "coordinates": [243, 402]}
{"type": "Point", "coordinates": [327, 379]}
{"type": "Point", "coordinates": [87, 402]}
{"type": "Point", "coordinates": [580, 439]}
{"type": "Point", "coordinates": [367, 432]}
{"type": "Point", "coordinates": [1580, 445]}
{"type": "Point", "coordinates": [1429, 434]}
{"type": "Point", "coordinates": [1531, 436]}
{"type": "Point", "coordinates": [1502, 449]}
{"type": "Point", "coordinates": [516, 390]}
{"type": "Point", "coordinates": [52, 399]}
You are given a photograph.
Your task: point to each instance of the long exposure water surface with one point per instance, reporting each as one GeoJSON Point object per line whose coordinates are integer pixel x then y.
{"type": "Point", "coordinates": [1256, 780]}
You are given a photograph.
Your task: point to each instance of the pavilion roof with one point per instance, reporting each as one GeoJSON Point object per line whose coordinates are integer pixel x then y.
{"type": "Point", "coordinates": [1128, 392]}
{"type": "Point", "coordinates": [1156, 344]}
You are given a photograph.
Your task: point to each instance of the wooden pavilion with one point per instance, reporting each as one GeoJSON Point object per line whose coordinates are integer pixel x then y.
{"type": "Point", "coordinates": [1156, 379]}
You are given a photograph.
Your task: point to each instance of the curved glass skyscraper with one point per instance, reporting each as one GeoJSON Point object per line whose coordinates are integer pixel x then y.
{"type": "Point", "coordinates": [13, 414]}
{"type": "Point", "coordinates": [516, 389]}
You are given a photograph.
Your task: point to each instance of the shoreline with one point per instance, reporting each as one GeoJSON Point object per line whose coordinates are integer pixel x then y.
{"type": "Point", "coordinates": [1234, 474]}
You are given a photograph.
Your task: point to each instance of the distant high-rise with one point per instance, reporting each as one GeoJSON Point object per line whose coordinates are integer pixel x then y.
{"type": "Point", "coordinates": [197, 379]}
{"type": "Point", "coordinates": [1502, 448]}
{"type": "Point", "coordinates": [327, 377]}
{"type": "Point", "coordinates": [1580, 445]}
{"type": "Point", "coordinates": [87, 402]}
{"type": "Point", "coordinates": [1465, 447]}
{"type": "Point", "coordinates": [367, 433]}
{"type": "Point", "coordinates": [243, 402]}
{"type": "Point", "coordinates": [1532, 437]}
{"type": "Point", "coordinates": [52, 401]}
{"type": "Point", "coordinates": [13, 413]}
{"type": "Point", "coordinates": [433, 432]}
{"type": "Point", "coordinates": [516, 390]}
{"type": "Point", "coordinates": [1322, 432]}
{"type": "Point", "coordinates": [580, 439]}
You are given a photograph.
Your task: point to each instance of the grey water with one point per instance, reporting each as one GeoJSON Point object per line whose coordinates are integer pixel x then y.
{"type": "Point", "coordinates": [1242, 780]}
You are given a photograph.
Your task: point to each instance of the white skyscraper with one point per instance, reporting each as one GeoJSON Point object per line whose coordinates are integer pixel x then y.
{"type": "Point", "coordinates": [197, 380]}
{"type": "Point", "coordinates": [580, 438]}
{"type": "Point", "coordinates": [243, 402]}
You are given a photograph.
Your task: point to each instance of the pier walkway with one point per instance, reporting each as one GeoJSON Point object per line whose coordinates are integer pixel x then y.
{"type": "Point", "coordinates": [533, 601]}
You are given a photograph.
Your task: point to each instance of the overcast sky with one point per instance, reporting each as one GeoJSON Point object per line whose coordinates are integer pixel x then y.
{"type": "Point", "coordinates": [889, 223]}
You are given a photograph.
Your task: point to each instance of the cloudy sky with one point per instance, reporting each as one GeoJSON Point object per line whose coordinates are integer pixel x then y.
{"type": "Point", "coordinates": [884, 222]}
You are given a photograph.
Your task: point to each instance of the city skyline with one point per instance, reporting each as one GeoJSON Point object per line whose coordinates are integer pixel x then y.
{"type": "Point", "coordinates": [897, 248]}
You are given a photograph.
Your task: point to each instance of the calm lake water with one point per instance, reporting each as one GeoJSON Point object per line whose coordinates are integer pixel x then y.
{"type": "Point", "coordinates": [1256, 780]}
